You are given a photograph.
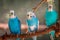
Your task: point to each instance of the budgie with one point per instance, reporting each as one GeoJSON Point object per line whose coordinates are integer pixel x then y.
{"type": "Point", "coordinates": [14, 24]}
{"type": "Point", "coordinates": [51, 17]}
{"type": "Point", "coordinates": [32, 22]}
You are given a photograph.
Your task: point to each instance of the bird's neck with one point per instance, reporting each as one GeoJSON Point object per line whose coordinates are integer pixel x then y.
{"type": "Point", "coordinates": [50, 9]}
{"type": "Point", "coordinates": [13, 16]}
{"type": "Point", "coordinates": [29, 18]}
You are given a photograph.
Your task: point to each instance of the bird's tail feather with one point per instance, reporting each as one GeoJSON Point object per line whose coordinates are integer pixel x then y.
{"type": "Point", "coordinates": [34, 38]}
{"type": "Point", "coordinates": [17, 38]}
{"type": "Point", "coordinates": [52, 33]}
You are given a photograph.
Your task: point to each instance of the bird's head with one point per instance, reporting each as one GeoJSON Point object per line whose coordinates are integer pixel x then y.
{"type": "Point", "coordinates": [11, 14]}
{"type": "Point", "coordinates": [50, 7]}
{"type": "Point", "coordinates": [30, 14]}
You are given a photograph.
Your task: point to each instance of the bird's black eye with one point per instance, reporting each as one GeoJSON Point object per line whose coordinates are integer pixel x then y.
{"type": "Point", "coordinates": [27, 15]}
{"type": "Point", "coordinates": [49, 6]}
{"type": "Point", "coordinates": [11, 13]}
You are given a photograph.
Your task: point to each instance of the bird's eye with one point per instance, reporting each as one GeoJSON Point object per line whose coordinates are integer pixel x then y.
{"type": "Point", "coordinates": [11, 13]}
{"type": "Point", "coordinates": [27, 15]}
{"type": "Point", "coordinates": [49, 6]}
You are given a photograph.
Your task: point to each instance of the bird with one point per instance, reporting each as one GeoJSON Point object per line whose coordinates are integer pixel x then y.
{"type": "Point", "coordinates": [14, 24]}
{"type": "Point", "coordinates": [32, 23]}
{"type": "Point", "coordinates": [51, 17]}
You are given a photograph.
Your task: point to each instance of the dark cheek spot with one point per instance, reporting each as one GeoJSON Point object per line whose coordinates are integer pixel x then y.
{"type": "Point", "coordinates": [11, 13]}
{"type": "Point", "coordinates": [50, 7]}
{"type": "Point", "coordinates": [27, 15]}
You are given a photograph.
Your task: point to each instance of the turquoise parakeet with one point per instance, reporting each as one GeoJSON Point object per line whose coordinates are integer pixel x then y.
{"type": "Point", "coordinates": [51, 17]}
{"type": "Point", "coordinates": [14, 24]}
{"type": "Point", "coordinates": [32, 22]}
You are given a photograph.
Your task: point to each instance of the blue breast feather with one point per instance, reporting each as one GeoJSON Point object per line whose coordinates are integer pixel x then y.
{"type": "Point", "coordinates": [51, 17]}
{"type": "Point", "coordinates": [14, 25]}
{"type": "Point", "coordinates": [33, 21]}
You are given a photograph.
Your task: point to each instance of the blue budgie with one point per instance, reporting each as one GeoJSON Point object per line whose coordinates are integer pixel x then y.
{"type": "Point", "coordinates": [14, 24]}
{"type": "Point", "coordinates": [51, 17]}
{"type": "Point", "coordinates": [32, 22]}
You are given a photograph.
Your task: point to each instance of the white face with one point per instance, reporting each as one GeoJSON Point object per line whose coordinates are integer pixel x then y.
{"type": "Point", "coordinates": [29, 15]}
{"type": "Point", "coordinates": [11, 15]}
{"type": "Point", "coordinates": [50, 8]}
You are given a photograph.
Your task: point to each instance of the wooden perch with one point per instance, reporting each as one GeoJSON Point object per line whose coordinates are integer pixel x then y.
{"type": "Point", "coordinates": [28, 35]}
